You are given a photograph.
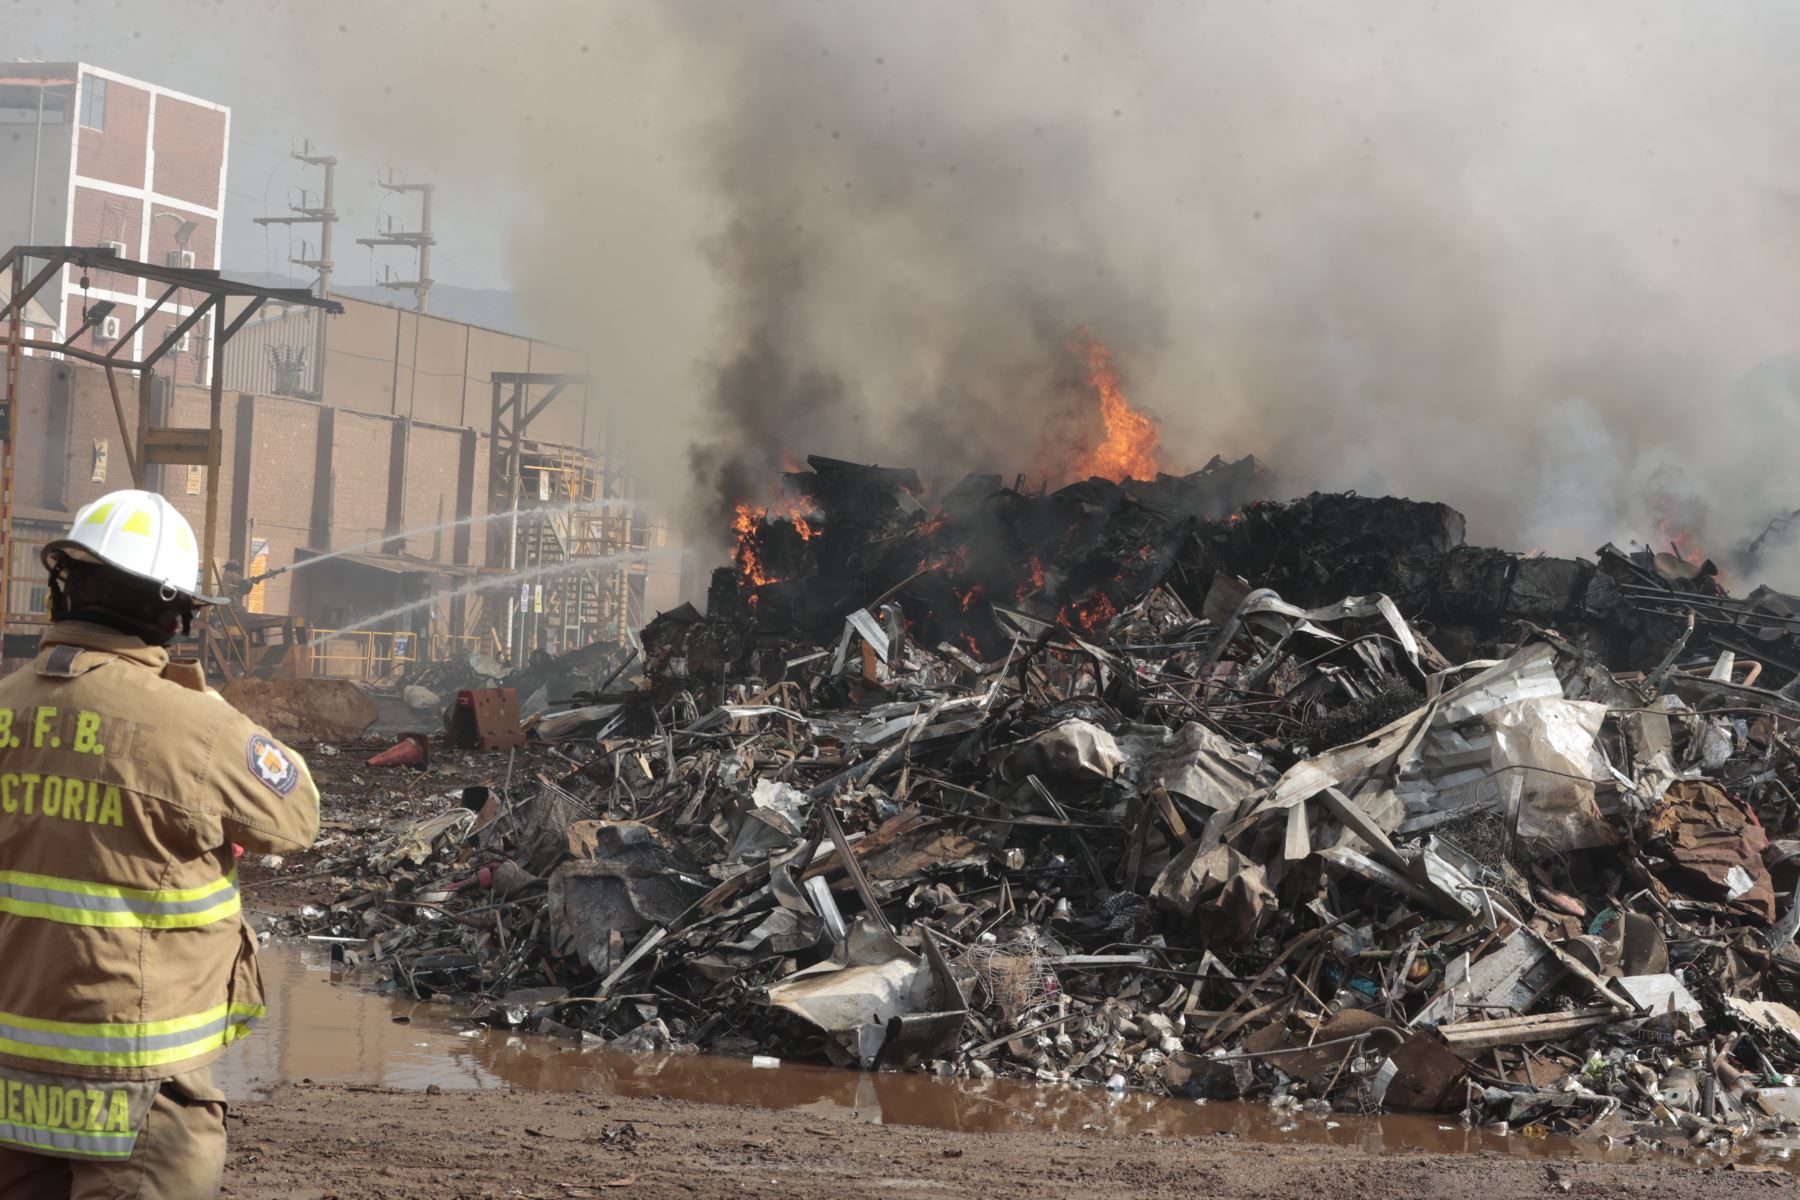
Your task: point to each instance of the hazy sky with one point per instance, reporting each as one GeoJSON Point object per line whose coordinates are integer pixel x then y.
{"type": "Point", "coordinates": [231, 54]}
{"type": "Point", "coordinates": [1512, 256]}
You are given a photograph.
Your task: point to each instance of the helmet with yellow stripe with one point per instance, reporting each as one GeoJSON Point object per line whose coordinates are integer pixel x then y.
{"type": "Point", "coordinates": [138, 533]}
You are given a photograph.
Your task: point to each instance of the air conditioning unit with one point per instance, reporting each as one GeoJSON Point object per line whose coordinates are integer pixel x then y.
{"type": "Point", "coordinates": [117, 248]}
{"type": "Point", "coordinates": [182, 259]}
{"type": "Point", "coordinates": [186, 343]}
{"type": "Point", "coordinates": [107, 330]}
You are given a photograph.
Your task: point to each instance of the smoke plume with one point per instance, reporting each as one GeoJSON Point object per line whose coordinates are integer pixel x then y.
{"type": "Point", "coordinates": [1533, 260]}
{"type": "Point", "coordinates": [910, 246]}
{"type": "Point", "coordinates": [1508, 260]}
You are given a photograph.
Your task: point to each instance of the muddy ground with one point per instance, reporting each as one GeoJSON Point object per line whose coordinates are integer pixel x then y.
{"type": "Point", "coordinates": [345, 1143]}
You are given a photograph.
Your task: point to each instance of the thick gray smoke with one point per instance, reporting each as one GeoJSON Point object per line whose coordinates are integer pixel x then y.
{"type": "Point", "coordinates": [1534, 260]}
{"type": "Point", "coordinates": [1512, 260]}
{"type": "Point", "coordinates": [911, 246]}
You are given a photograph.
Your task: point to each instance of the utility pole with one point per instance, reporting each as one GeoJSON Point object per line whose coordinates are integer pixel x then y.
{"type": "Point", "coordinates": [326, 216]}
{"type": "Point", "coordinates": [422, 241]}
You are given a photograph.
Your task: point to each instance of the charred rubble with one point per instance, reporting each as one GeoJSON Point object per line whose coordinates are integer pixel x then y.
{"type": "Point", "coordinates": [1156, 785]}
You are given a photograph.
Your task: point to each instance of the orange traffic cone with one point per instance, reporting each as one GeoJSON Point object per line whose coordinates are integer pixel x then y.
{"type": "Point", "coordinates": [412, 750]}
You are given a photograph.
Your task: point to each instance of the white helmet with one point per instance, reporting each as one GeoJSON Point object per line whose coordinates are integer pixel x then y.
{"type": "Point", "coordinates": [141, 534]}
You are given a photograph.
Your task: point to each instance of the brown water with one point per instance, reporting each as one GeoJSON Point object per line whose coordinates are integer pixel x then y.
{"type": "Point", "coordinates": [326, 1028]}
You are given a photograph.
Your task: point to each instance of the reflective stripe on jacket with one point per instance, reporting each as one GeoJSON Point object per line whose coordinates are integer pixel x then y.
{"type": "Point", "coordinates": [76, 903]}
{"type": "Point", "coordinates": [123, 784]}
{"type": "Point", "coordinates": [72, 1118]}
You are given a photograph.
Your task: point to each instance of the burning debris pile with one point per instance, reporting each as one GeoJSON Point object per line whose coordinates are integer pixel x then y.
{"type": "Point", "coordinates": [1161, 785]}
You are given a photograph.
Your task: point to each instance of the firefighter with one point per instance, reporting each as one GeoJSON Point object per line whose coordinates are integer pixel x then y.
{"type": "Point", "coordinates": [124, 782]}
{"type": "Point", "coordinates": [232, 580]}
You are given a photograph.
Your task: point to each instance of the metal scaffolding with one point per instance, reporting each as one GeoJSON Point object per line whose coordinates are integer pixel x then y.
{"type": "Point", "coordinates": [582, 526]}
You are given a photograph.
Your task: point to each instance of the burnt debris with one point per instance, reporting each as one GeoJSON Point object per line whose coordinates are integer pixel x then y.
{"type": "Point", "coordinates": [1158, 785]}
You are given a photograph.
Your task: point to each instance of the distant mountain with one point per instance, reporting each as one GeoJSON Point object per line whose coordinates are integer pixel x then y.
{"type": "Point", "coordinates": [491, 308]}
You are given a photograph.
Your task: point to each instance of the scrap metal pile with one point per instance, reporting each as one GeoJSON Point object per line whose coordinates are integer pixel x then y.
{"type": "Point", "coordinates": [1158, 786]}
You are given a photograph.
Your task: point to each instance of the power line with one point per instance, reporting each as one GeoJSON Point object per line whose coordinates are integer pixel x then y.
{"type": "Point", "coordinates": [375, 229]}
{"type": "Point", "coordinates": [372, 181]}
{"type": "Point", "coordinates": [420, 241]}
{"type": "Point", "coordinates": [377, 236]}
{"type": "Point", "coordinates": [323, 214]}
{"type": "Point", "coordinates": [436, 254]}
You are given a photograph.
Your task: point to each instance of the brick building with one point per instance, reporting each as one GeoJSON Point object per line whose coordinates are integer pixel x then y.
{"type": "Point", "coordinates": [89, 157]}
{"type": "Point", "coordinates": [377, 472]}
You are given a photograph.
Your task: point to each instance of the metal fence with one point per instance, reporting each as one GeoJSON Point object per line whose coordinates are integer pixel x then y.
{"type": "Point", "coordinates": [365, 655]}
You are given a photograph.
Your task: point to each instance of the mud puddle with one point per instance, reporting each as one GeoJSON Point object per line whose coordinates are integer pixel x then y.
{"type": "Point", "coordinates": [324, 1027]}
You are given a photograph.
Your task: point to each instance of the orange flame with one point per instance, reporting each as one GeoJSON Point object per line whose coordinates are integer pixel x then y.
{"type": "Point", "coordinates": [743, 524]}
{"type": "Point", "coordinates": [956, 560]}
{"type": "Point", "coordinates": [1090, 616]}
{"type": "Point", "coordinates": [1686, 545]}
{"type": "Point", "coordinates": [1035, 580]}
{"type": "Point", "coordinates": [745, 520]}
{"type": "Point", "coordinates": [1129, 449]}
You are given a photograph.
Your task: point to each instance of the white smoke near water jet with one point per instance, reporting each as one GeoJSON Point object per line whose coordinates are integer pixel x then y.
{"type": "Point", "coordinates": [1525, 258]}
{"type": "Point", "coordinates": [498, 583]}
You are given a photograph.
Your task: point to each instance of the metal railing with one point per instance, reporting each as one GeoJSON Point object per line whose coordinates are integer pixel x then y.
{"type": "Point", "coordinates": [365, 655]}
{"type": "Point", "coordinates": [225, 640]}
{"type": "Point", "coordinates": [28, 584]}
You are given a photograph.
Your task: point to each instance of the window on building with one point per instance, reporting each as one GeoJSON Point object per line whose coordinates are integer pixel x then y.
{"type": "Point", "coordinates": [93, 102]}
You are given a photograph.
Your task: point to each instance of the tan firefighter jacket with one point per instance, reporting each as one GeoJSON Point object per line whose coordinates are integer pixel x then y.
{"type": "Point", "coordinates": [123, 784]}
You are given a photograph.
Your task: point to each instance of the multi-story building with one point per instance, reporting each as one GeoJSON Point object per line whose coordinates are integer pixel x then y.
{"type": "Point", "coordinates": [90, 157]}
